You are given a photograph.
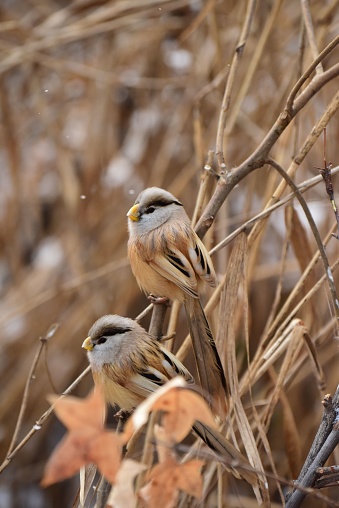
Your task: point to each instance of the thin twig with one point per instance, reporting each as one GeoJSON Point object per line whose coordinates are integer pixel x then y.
{"type": "Point", "coordinates": [230, 83]}
{"type": "Point", "coordinates": [257, 160]}
{"type": "Point", "coordinates": [326, 51]}
{"type": "Point", "coordinates": [43, 342]}
{"type": "Point", "coordinates": [305, 8]}
{"type": "Point", "coordinates": [326, 173]}
{"type": "Point", "coordinates": [157, 320]}
{"type": "Point", "coordinates": [248, 225]}
{"type": "Point", "coordinates": [327, 477]}
{"type": "Point", "coordinates": [206, 454]}
{"type": "Point", "coordinates": [323, 432]}
{"type": "Point", "coordinates": [71, 284]}
{"type": "Point", "coordinates": [315, 232]}
{"type": "Point", "coordinates": [41, 420]}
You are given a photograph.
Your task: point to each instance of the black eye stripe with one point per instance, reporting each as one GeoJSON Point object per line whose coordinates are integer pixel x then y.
{"type": "Point", "coordinates": [109, 332]}
{"type": "Point", "coordinates": [161, 203]}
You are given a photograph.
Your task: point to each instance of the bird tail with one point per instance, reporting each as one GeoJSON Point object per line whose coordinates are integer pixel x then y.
{"type": "Point", "coordinates": [210, 370]}
{"type": "Point", "coordinates": [228, 455]}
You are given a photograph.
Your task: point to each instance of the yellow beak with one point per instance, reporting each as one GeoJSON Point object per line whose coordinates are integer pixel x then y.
{"type": "Point", "coordinates": [88, 344]}
{"type": "Point", "coordinates": [134, 213]}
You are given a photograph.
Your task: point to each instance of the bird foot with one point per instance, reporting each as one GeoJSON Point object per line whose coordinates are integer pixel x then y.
{"type": "Point", "coordinates": [159, 300]}
{"type": "Point", "coordinates": [167, 337]}
{"type": "Point", "coordinates": [123, 414]}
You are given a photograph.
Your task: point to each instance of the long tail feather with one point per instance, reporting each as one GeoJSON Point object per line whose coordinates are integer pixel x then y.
{"type": "Point", "coordinates": [232, 459]}
{"type": "Point", "coordinates": [210, 370]}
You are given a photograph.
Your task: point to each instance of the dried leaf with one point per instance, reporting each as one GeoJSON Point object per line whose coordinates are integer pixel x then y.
{"type": "Point", "coordinates": [316, 364]}
{"type": "Point", "coordinates": [167, 478]}
{"type": "Point", "coordinates": [182, 408]}
{"type": "Point", "coordinates": [122, 495]}
{"type": "Point", "coordinates": [235, 279]}
{"type": "Point", "coordinates": [86, 441]}
{"type": "Point", "coordinates": [189, 479]}
{"type": "Point", "coordinates": [291, 437]}
{"type": "Point", "coordinates": [69, 456]}
{"type": "Point", "coordinates": [302, 250]}
{"type": "Point", "coordinates": [164, 447]}
{"type": "Point", "coordinates": [299, 240]}
{"type": "Point", "coordinates": [75, 412]}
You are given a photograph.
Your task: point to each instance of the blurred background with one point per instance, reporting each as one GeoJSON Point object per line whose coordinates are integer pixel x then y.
{"type": "Point", "coordinates": [100, 99]}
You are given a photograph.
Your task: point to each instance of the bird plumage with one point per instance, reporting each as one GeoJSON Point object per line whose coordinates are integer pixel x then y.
{"type": "Point", "coordinates": [128, 365]}
{"type": "Point", "coordinates": [169, 260]}
{"type": "Point", "coordinates": [127, 362]}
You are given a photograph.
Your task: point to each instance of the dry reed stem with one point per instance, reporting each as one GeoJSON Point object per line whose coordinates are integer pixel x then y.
{"type": "Point", "coordinates": [100, 101]}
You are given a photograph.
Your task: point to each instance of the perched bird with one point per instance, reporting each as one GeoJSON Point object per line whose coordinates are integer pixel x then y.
{"type": "Point", "coordinates": [128, 364]}
{"type": "Point", "coordinates": [169, 260]}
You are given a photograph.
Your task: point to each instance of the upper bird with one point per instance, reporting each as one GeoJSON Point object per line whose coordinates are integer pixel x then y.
{"type": "Point", "coordinates": [169, 260]}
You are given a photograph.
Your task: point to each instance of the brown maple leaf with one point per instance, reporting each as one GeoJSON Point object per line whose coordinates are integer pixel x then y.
{"type": "Point", "coordinates": [167, 478]}
{"type": "Point", "coordinates": [86, 442]}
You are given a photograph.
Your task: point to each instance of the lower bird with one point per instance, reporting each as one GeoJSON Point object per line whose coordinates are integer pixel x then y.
{"type": "Point", "coordinates": [128, 364]}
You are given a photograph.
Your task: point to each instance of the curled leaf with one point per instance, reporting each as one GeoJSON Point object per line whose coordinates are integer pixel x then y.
{"type": "Point", "coordinates": [182, 407]}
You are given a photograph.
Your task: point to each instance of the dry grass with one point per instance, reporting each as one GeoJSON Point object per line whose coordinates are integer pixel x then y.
{"type": "Point", "coordinates": [102, 99]}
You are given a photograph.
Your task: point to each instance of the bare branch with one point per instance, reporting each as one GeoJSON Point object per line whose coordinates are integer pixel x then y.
{"type": "Point", "coordinates": [326, 440]}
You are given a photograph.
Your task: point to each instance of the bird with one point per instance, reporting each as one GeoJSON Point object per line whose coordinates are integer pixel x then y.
{"type": "Point", "coordinates": [169, 260]}
{"type": "Point", "coordinates": [128, 364]}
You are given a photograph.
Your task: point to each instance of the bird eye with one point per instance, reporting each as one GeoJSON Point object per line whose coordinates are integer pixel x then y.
{"type": "Point", "coordinates": [150, 209]}
{"type": "Point", "coordinates": [102, 340]}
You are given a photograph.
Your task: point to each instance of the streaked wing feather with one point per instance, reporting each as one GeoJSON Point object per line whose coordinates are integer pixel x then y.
{"type": "Point", "coordinates": [175, 367]}
{"type": "Point", "coordinates": [201, 261]}
{"type": "Point", "coordinates": [146, 382]}
{"type": "Point", "coordinates": [176, 268]}
{"type": "Point", "coordinates": [141, 385]}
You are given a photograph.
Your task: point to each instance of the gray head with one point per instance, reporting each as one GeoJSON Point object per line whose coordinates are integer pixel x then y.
{"type": "Point", "coordinates": [152, 208]}
{"type": "Point", "coordinates": [107, 338]}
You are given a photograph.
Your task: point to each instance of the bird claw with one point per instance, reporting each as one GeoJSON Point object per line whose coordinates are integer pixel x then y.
{"type": "Point", "coordinates": [123, 414]}
{"type": "Point", "coordinates": [159, 300]}
{"type": "Point", "coordinates": [167, 337]}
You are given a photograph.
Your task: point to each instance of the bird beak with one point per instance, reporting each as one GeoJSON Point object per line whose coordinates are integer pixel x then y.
{"type": "Point", "coordinates": [88, 344]}
{"type": "Point", "coordinates": [134, 213]}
